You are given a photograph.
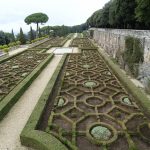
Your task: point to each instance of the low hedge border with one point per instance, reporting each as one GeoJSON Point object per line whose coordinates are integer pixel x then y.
{"type": "Point", "coordinates": [39, 139]}
{"type": "Point", "coordinates": [7, 103]}
{"type": "Point", "coordinates": [139, 96]}
{"type": "Point", "coordinates": [10, 57]}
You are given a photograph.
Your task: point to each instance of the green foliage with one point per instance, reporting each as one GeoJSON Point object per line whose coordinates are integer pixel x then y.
{"type": "Point", "coordinates": [36, 18]}
{"type": "Point", "coordinates": [143, 11]}
{"type": "Point", "coordinates": [5, 38]}
{"type": "Point", "coordinates": [4, 46]}
{"type": "Point", "coordinates": [31, 34]}
{"type": "Point", "coordinates": [6, 50]}
{"type": "Point", "coordinates": [124, 14]}
{"type": "Point", "coordinates": [12, 44]}
{"type": "Point", "coordinates": [40, 35]}
{"type": "Point", "coordinates": [13, 36]}
{"type": "Point", "coordinates": [133, 54]}
{"type": "Point", "coordinates": [38, 39]}
{"type": "Point", "coordinates": [22, 38]}
{"type": "Point", "coordinates": [101, 133]}
{"type": "Point", "coordinates": [18, 42]}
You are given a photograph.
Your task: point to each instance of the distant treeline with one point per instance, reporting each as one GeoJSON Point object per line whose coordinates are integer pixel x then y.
{"type": "Point", "coordinates": [62, 30]}
{"type": "Point", "coordinates": [123, 14]}
{"type": "Point", "coordinates": [6, 38]}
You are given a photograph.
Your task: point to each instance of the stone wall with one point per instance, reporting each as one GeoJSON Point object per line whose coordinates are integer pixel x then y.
{"type": "Point", "coordinates": [113, 42]}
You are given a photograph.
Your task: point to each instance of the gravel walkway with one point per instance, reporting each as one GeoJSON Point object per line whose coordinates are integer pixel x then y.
{"type": "Point", "coordinates": [12, 125]}
{"type": "Point", "coordinates": [13, 52]}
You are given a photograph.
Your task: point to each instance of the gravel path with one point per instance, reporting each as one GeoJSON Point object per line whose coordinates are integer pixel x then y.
{"type": "Point", "coordinates": [12, 125]}
{"type": "Point", "coordinates": [18, 50]}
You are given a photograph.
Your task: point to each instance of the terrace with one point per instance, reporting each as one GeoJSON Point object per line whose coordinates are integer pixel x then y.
{"type": "Point", "coordinates": [77, 97]}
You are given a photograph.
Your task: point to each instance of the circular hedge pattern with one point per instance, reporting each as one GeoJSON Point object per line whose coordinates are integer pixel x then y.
{"type": "Point", "coordinates": [61, 102]}
{"type": "Point", "coordinates": [101, 133]}
{"type": "Point", "coordinates": [86, 66]}
{"type": "Point", "coordinates": [90, 84]}
{"type": "Point", "coordinates": [126, 101]}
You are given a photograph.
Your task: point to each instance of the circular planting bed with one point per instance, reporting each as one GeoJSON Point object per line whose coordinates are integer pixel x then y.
{"type": "Point", "coordinates": [126, 100]}
{"type": "Point", "coordinates": [86, 66]}
{"type": "Point", "coordinates": [101, 133]}
{"type": "Point", "coordinates": [94, 101]}
{"type": "Point", "coordinates": [90, 84]}
{"type": "Point", "coordinates": [61, 102]}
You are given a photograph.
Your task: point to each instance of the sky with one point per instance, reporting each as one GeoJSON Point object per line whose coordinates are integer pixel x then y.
{"type": "Point", "coordinates": [60, 12]}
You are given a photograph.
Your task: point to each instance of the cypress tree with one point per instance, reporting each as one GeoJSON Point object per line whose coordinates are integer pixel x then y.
{"type": "Point", "coordinates": [22, 38]}
{"type": "Point", "coordinates": [13, 36]}
{"type": "Point", "coordinates": [31, 34]}
{"type": "Point", "coordinates": [40, 35]}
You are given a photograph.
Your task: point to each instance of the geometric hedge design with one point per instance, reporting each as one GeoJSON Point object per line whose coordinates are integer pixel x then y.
{"type": "Point", "coordinates": [53, 42]}
{"type": "Point", "coordinates": [14, 70]}
{"type": "Point", "coordinates": [92, 109]}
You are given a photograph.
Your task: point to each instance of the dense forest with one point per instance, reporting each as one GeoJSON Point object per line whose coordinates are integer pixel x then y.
{"type": "Point", "coordinates": [122, 14]}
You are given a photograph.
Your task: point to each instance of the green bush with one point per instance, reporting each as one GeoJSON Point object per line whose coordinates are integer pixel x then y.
{"type": "Point", "coordinates": [18, 42]}
{"type": "Point", "coordinates": [11, 44]}
{"type": "Point", "coordinates": [1, 46]}
{"type": "Point", "coordinates": [6, 50]}
{"type": "Point", "coordinates": [28, 42]}
{"type": "Point", "coordinates": [133, 54]}
{"type": "Point", "coordinates": [37, 39]}
{"type": "Point", "coordinates": [5, 46]}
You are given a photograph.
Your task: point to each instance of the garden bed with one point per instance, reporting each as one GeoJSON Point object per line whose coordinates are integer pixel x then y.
{"type": "Point", "coordinates": [17, 73]}
{"type": "Point", "coordinates": [91, 109]}
{"type": "Point", "coordinates": [83, 43]}
{"type": "Point", "coordinates": [54, 42]}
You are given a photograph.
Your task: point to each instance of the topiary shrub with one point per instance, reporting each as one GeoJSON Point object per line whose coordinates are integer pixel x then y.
{"type": "Point", "coordinates": [133, 54]}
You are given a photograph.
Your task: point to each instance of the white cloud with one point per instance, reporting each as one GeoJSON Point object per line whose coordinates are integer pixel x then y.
{"type": "Point", "coordinates": [67, 12]}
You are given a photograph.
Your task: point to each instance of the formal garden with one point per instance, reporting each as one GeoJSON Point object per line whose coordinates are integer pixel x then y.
{"type": "Point", "coordinates": [75, 87]}
{"type": "Point", "coordinates": [88, 104]}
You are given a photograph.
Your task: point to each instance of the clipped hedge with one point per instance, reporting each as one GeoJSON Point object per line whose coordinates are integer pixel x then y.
{"type": "Point", "coordinates": [39, 139]}
{"type": "Point", "coordinates": [17, 92]}
{"type": "Point", "coordinates": [139, 96]}
{"type": "Point", "coordinates": [7, 57]}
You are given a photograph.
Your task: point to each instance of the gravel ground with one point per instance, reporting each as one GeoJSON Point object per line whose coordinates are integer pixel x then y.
{"type": "Point", "coordinates": [17, 51]}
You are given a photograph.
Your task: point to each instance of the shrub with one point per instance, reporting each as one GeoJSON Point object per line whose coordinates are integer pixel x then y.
{"type": "Point", "coordinates": [6, 50]}
{"type": "Point", "coordinates": [1, 47]}
{"type": "Point", "coordinates": [5, 46]}
{"type": "Point", "coordinates": [18, 42]}
{"type": "Point", "coordinates": [12, 44]}
{"type": "Point", "coordinates": [133, 54]}
{"type": "Point", "coordinates": [28, 42]}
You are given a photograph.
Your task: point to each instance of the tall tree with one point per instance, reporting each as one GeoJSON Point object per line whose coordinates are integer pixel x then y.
{"type": "Point", "coordinates": [22, 38]}
{"type": "Point", "coordinates": [13, 36]}
{"type": "Point", "coordinates": [40, 34]}
{"type": "Point", "coordinates": [2, 38]}
{"type": "Point", "coordinates": [143, 11]}
{"type": "Point", "coordinates": [36, 18]}
{"type": "Point", "coordinates": [31, 34]}
{"type": "Point", "coordinates": [125, 13]}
